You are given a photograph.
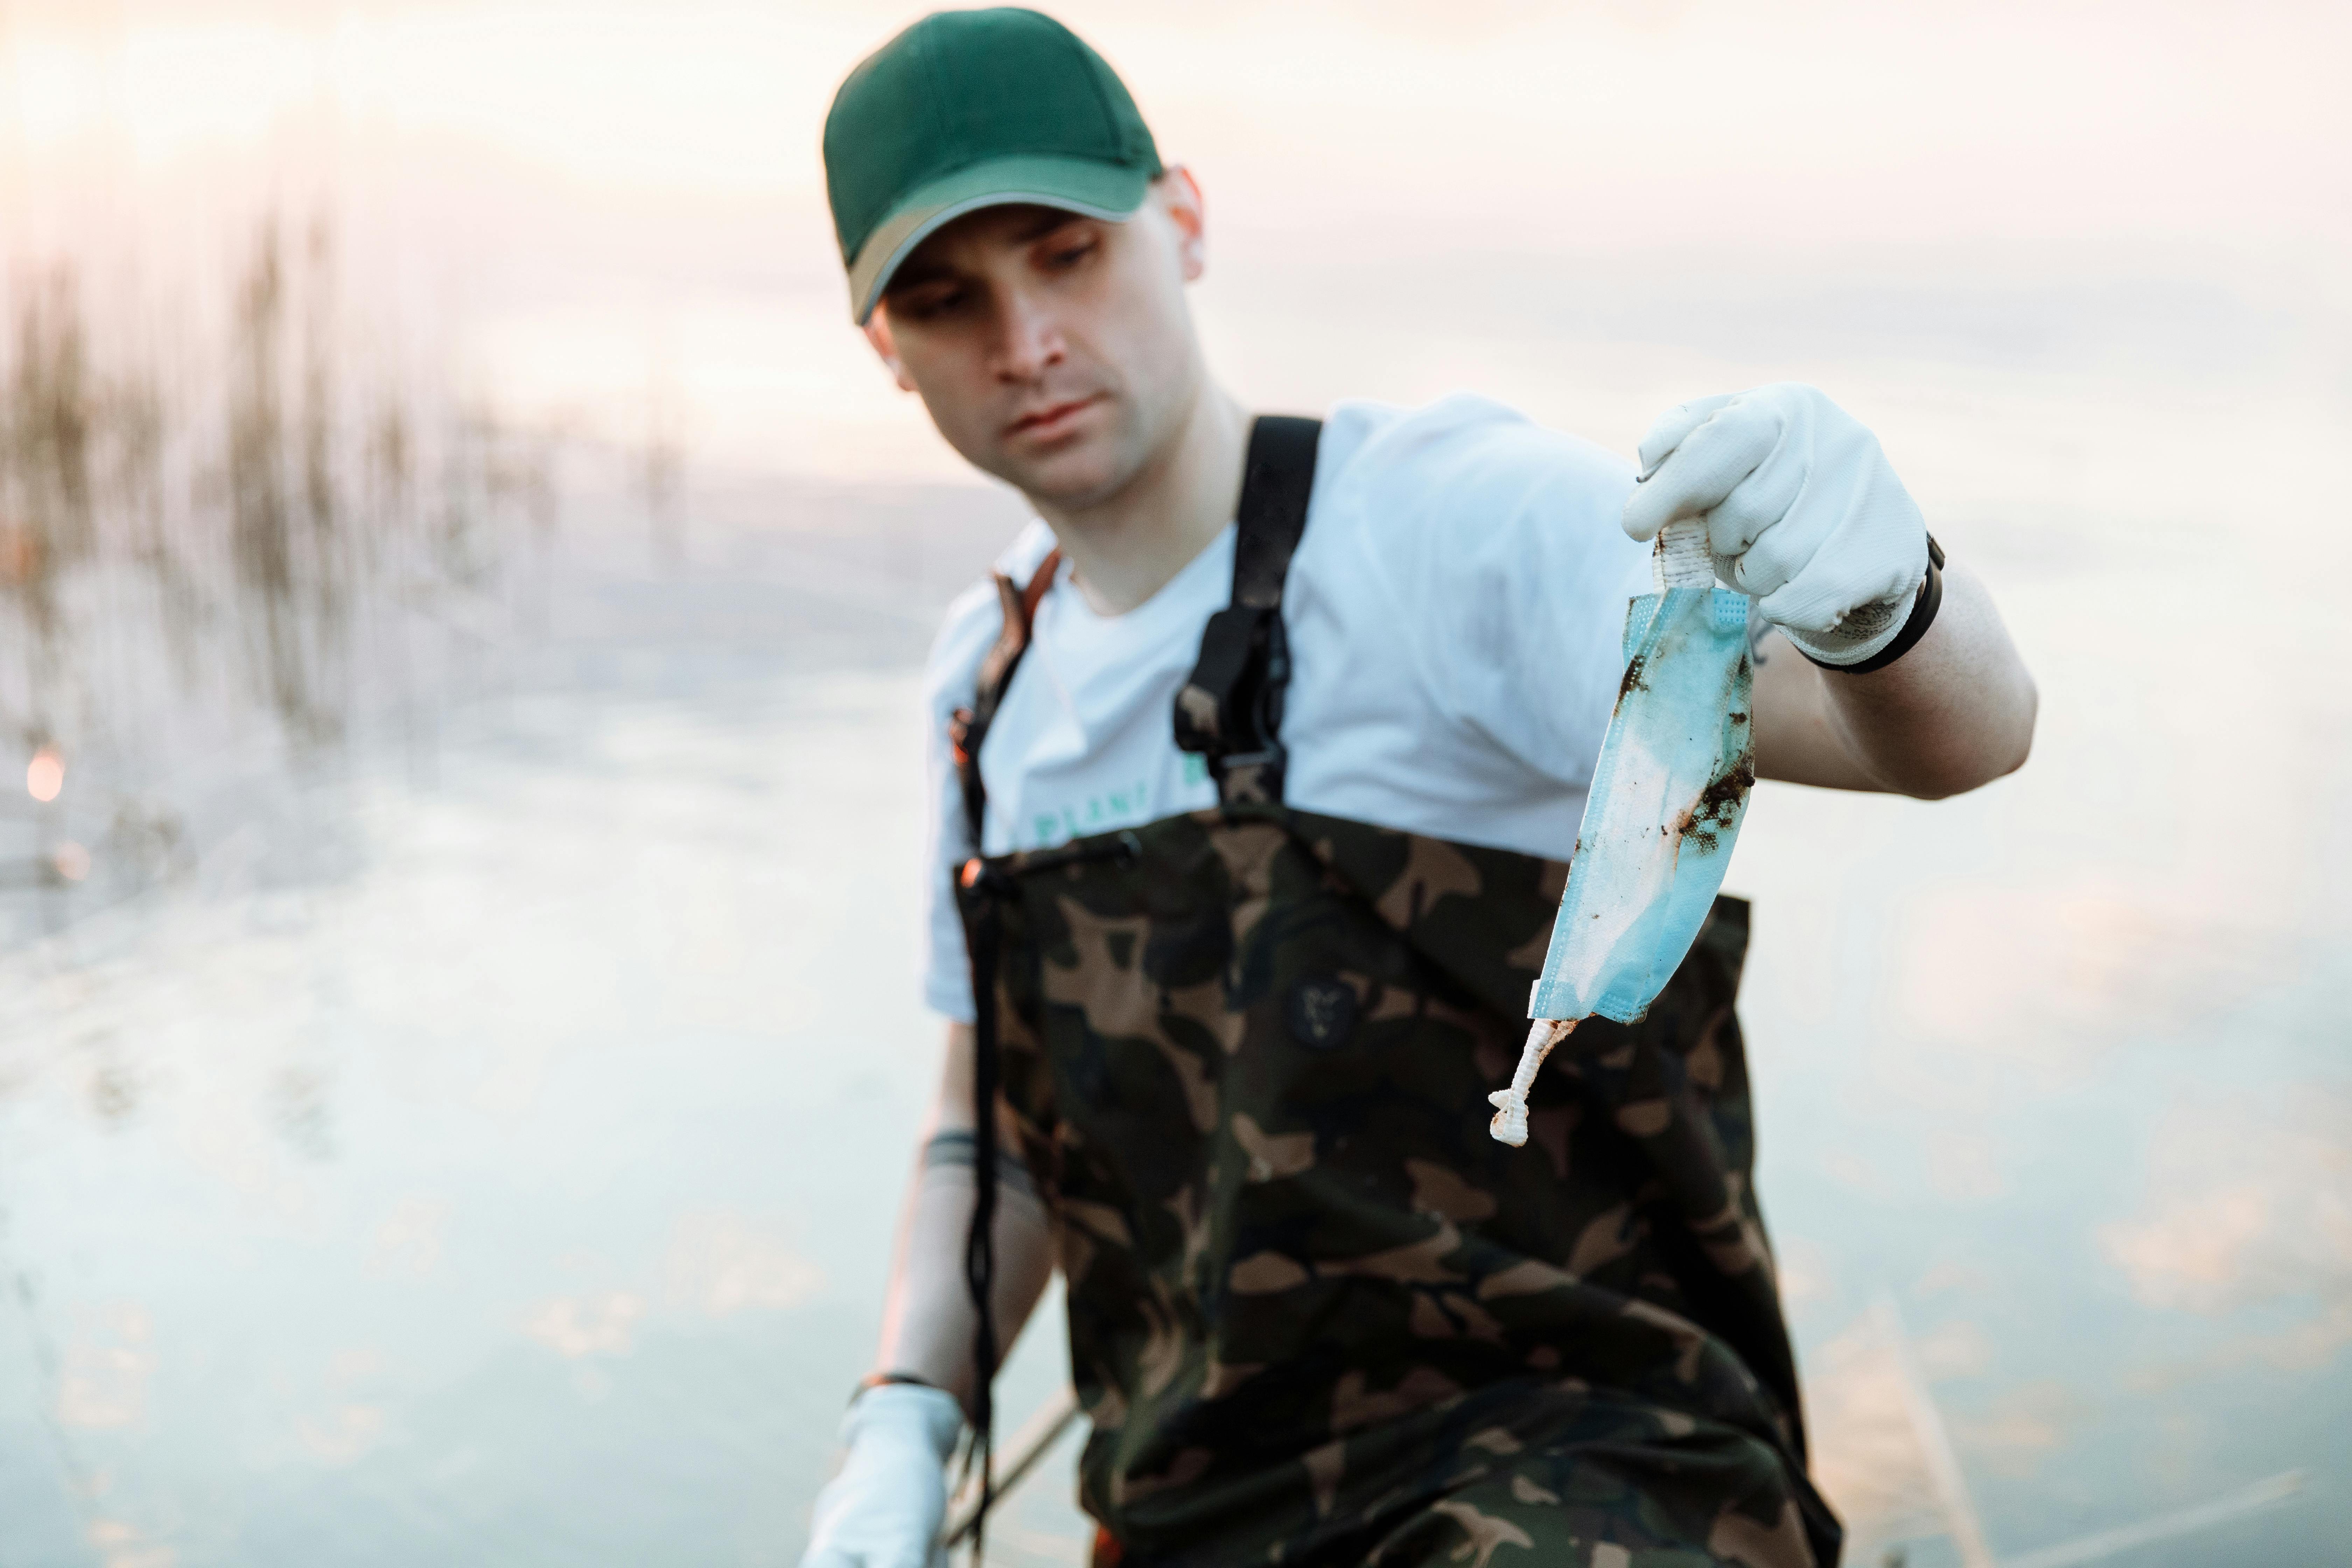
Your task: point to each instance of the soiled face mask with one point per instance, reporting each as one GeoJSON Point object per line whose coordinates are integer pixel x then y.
{"type": "Point", "coordinates": [1665, 807]}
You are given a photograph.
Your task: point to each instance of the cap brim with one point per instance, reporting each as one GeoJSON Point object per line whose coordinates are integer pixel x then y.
{"type": "Point", "coordinates": [1082, 186]}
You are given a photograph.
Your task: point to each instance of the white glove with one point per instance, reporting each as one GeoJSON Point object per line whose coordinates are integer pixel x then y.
{"type": "Point", "coordinates": [885, 1509]}
{"type": "Point", "coordinates": [1802, 510]}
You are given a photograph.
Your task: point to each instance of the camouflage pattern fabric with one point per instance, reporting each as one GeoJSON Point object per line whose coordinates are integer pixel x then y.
{"type": "Point", "coordinates": [1315, 1313]}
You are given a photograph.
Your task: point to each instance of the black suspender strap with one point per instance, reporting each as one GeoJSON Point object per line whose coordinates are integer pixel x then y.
{"type": "Point", "coordinates": [1230, 711]}
{"type": "Point", "coordinates": [969, 727]}
{"type": "Point", "coordinates": [1277, 481]}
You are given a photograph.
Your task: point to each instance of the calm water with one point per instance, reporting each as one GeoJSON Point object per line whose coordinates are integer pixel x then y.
{"type": "Point", "coordinates": [489, 1154]}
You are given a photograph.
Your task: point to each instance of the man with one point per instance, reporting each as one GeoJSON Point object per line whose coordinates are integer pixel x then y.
{"type": "Point", "coordinates": [1255, 777]}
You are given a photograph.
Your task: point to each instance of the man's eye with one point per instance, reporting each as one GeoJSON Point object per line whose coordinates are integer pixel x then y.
{"type": "Point", "coordinates": [1070, 255]}
{"type": "Point", "coordinates": [924, 307]}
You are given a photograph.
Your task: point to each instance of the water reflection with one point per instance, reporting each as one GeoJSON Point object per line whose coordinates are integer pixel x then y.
{"type": "Point", "coordinates": [519, 1190]}
{"type": "Point", "coordinates": [224, 538]}
{"type": "Point", "coordinates": [459, 1193]}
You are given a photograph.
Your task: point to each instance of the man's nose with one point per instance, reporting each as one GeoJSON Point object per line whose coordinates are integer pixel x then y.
{"type": "Point", "coordinates": [1032, 339]}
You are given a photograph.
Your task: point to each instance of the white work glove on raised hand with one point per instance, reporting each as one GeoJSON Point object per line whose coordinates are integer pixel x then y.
{"type": "Point", "coordinates": [1801, 512]}
{"type": "Point", "coordinates": [885, 1509]}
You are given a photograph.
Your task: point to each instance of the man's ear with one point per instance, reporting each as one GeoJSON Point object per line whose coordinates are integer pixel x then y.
{"type": "Point", "coordinates": [878, 332]}
{"type": "Point", "coordinates": [1179, 195]}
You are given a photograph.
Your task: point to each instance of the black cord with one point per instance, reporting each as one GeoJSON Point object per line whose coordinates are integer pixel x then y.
{"type": "Point", "coordinates": [980, 1244]}
{"type": "Point", "coordinates": [990, 885]}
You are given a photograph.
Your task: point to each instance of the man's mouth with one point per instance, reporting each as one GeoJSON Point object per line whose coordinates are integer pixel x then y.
{"type": "Point", "coordinates": [1048, 420]}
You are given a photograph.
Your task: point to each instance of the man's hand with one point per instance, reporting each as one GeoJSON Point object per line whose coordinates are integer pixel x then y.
{"type": "Point", "coordinates": [885, 1509]}
{"type": "Point", "coordinates": [1801, 512]}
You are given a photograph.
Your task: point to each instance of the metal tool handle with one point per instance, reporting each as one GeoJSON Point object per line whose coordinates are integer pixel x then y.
{"type": "Point", "coordinates": [1038, 1433]}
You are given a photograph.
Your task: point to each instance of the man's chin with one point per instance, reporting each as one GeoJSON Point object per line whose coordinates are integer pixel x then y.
{"type": "Point", "coordinates": [1077, 474]}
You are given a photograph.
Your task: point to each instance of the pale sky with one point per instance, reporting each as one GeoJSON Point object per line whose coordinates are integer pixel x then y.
{"type": "Point", "coordinates": [599, 196]}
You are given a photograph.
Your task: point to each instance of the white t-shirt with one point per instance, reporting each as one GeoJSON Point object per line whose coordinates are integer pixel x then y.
{"type": "Point", "coordinates": [1454, 614]}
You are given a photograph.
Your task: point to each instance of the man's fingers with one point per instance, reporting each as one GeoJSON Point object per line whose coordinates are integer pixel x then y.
{"type": "Point", "coordinates": [1666, 431]}
{"type": "Point", "coordinates": [1756, 503]}
{"type": "Point", "coordinates": [1701, 469]}
{"type": "Point", "coordinates": [1804, 606]}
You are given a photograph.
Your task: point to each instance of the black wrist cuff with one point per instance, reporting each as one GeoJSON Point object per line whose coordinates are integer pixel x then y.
{"type": "Point", "coordinates": [877, 1379]}
{"type": "Point", "coordinates": [1923, 616]}
{"type": "Point", "coordinates": [958, 1148]}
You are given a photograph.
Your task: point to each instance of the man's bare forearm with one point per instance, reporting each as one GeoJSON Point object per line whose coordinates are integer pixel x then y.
{"type": "Point", "coordinates": [928, 1322]}
{"type": "Point", "coordinates": [1954, 712]}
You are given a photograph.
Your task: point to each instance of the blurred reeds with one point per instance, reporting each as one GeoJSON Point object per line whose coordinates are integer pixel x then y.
{"type": "Point", "coordinates": [225, 539]}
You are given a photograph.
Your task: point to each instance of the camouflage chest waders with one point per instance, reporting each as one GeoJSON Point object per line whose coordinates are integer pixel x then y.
{"type": "Point", "coordinates": [1315, 1313]}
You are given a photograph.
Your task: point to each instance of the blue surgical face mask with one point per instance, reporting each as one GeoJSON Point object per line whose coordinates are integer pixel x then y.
{"type": "Point", "coordinates": [1663, 810]}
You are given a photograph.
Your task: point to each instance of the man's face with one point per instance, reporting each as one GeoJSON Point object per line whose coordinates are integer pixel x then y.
{"type": "Point", "coordinates": [1051, 351]}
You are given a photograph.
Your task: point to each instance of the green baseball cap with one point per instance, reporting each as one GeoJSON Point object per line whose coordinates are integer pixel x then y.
{"type": "Point", "coordinates": [975, 109]}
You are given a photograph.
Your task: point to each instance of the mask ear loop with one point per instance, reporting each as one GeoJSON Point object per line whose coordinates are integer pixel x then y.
{"type": "Point", "coordinates": [1509, 1124]}
{"type": "Point", "coordinates": [1681, 558]}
